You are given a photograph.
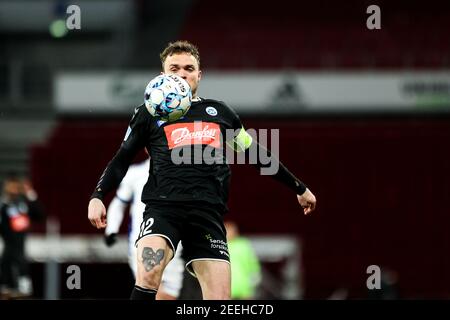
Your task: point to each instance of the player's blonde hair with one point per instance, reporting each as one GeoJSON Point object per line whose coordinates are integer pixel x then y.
{"type": "Point", "coordinates": [180, 46]}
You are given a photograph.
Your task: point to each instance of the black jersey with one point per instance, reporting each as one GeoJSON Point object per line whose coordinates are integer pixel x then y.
{"type": "Point", "coordinates": [176, 172]}
{"type": "Point", "coordinates": [16, 217]}
{"type": "Point", "coordinates": [187, 156]}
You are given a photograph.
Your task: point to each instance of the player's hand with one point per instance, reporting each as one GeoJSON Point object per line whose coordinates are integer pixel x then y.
{"type": "Point", "coordinates": [308, 201]}
{"type": "Point", "coordinates": [110, 239]}
{"type": "Point", "coordinates": [28, 190]}
{"type": "Point", "coordinates": [97, 213]}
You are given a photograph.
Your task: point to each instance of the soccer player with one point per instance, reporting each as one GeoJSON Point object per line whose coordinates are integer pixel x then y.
{"type": "Point", "coordinates": [184, 201]}
{"type": "Point", "coordinates": [245, 265]}
{"type": "Point", "coordinates": [19, 209]}
{"type": "Point", "coordinates": [130, 191]}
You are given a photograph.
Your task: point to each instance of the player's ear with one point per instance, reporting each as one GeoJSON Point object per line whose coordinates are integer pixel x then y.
{"type": "Point", "coordinates": [162, 72]}
{"type": "Point", "coordinates": [199, 75]}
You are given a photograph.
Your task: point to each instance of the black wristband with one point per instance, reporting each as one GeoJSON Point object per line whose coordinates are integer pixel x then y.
{"type": "Point", "coordinates": [97, 194]}
{"type": "Point", "coordinates": [300, 187]}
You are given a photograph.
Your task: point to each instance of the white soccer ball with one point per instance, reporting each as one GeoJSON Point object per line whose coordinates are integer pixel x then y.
{"type": "Point", "coordinates": [168, 97]}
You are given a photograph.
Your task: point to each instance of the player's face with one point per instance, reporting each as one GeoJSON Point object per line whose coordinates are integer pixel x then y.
{"type": "Point", "coordinates": [186, 66]}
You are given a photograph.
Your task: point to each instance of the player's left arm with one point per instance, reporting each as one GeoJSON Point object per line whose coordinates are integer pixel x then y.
{"type": "Point", "coordinates": [243, 142]}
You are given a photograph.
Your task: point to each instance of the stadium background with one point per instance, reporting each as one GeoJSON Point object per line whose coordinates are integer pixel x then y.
{"type": "Point", "coordinates": [381, 173]}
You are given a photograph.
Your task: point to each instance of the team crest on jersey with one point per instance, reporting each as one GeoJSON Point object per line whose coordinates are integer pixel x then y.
{"type": "Point", "coordinates": [211, 111]}
{"type": "Point", "coordinates": [182, 134]}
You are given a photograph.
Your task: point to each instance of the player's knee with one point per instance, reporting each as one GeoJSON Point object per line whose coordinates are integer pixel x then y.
{"type": "Point", "coordinates": [225, 294]}
{"type": "Point", "coordinates": [218, 295]}
{"type": "Point", "coordinates": [150, 278]}
{"type": "Point", "coordinates": [212, 292]}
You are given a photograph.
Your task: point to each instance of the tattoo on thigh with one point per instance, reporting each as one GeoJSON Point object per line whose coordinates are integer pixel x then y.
{"type": "Point", "coordinates": [151, 258]}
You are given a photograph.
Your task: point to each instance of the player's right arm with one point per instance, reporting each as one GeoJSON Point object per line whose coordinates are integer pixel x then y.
{"type": "Point", "coordinates": [118, 166]}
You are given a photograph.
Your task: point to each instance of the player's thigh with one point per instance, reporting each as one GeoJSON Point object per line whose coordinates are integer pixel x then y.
{"type": "Point", "coordinates": [205, 239]}
{"type": "Point", "coordinates": [158, 236]}
{"type": "Point", "coordinates": [172, 279]}
{"type": "Point", "coordinates": [153, 254]}
{"type": "Point", "coordinates": [214, 277]}
{"type": "Point", "coordinates": [212, 270]}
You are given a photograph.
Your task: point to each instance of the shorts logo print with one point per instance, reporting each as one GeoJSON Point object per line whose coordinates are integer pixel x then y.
{"type": "Point", "coordinates": [217, 244]}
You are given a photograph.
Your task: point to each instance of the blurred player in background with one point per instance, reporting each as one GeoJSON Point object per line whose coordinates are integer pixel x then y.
{"type": "Point", "coordinates": [185, 202]}
{"type": "Point", "coordinates": [19, 208]}
{"type": "Point", "coordinates": [245, 265]}
{"type": "Point", "coordinates": [129, 192]}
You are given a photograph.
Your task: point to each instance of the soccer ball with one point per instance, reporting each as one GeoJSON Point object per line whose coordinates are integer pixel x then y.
{"type": "Point", "coordinates": [168, 97]}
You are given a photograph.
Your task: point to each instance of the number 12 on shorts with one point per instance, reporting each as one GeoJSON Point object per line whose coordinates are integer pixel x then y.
{"type": "Point", "coordinates": [145, 227]}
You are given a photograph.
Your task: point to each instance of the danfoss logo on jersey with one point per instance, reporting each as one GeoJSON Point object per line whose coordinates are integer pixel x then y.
{"type": "Point", "coordinates": [181, 134]}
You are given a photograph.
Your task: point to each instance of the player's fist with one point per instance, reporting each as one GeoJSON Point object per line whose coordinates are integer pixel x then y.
{"type": "Point", "coordinates": [97, 213]}
{"type": "Point", "coordinates": [308, 201]}
{"type": "Point", "coordinates": [110, 239]}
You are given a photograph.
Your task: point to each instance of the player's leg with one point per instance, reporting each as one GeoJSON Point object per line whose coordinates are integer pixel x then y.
{"type": "Point", "coordinates": [24, 283]}
{"type": "Point", "coordinates": [132, 258]}
{"type": "Point", "coordinates": [169, 293]}
{"type": "Point", "coordinates": [156, 243]}
{"type": "Point", "coordinates": [172, 278]}
{"type": "Point", "coordinates": [206, 251]}
{"type": "Point", "coordinates": [153, 254]}
{"type": "Point", "coordinates": [6, 271]}
{"type": "Point", "coordinates": [214, 277]}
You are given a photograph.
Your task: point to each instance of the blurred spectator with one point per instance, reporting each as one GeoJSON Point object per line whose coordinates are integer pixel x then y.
{"type": "Point", "coordinates": [245, 266]}
{"type": "Point", "coordinates": [19, 208]}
